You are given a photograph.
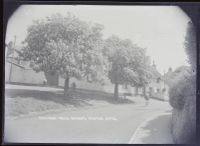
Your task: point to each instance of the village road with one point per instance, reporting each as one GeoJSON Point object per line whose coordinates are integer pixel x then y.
{"type": "Point", "coordinates": [109, 124]}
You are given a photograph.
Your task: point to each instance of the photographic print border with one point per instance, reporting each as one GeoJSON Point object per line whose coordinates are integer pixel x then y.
{"type": "Point", "coordinates": [191, 9]}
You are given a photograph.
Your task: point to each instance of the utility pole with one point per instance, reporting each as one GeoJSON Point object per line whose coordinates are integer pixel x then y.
{"type": "Point", "coordinates": [10, 73]}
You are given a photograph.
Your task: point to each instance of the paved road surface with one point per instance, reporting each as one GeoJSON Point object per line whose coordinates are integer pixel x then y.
{"type": "Point", "coordinates": [155, 130]}
{"type": "Point", "coordinates": [117, 126]}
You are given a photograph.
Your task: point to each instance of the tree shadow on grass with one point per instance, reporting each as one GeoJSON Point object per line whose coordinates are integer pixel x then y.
{"type": "Point", "coordinates": [88, 95]}
{"type": "Point", "coordinates": [81, 97]}
{"type": "Point", "coordinates": [157, 131]}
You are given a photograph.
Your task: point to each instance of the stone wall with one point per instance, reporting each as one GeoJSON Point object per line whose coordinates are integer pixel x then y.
{"type": "Point", "coordinates": [22, 75]}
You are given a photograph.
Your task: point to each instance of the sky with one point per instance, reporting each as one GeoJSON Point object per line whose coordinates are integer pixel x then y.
{"type": "Point", "coordinates": [159, 29]}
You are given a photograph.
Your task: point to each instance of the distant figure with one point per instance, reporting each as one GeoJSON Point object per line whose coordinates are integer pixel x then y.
{"type": "Point", "coordinates": [73, 86]}
{"type": "Point", "coordinates": [164, 94]}
{"type": "Point", "coordinates": [44, 81]}
{"type": "Point", "coordinates": [147, 100]}
{"type": "Point", "coordinates": [73, 89]}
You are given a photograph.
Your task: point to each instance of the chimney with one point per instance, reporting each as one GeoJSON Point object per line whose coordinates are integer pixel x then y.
{"type": "Point", "coordinates": [170, 69]}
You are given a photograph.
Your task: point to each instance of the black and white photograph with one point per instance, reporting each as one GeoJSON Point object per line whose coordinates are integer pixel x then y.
{"type": "Point", "coordinates": [104, 74]}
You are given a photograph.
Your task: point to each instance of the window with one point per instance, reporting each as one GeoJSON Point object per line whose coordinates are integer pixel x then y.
{"type": "Point", "coordinates": [125, 86]}
{"type": "Point", "coordinates": [158, 80]}
{"type": "Point", "coordinates": [163, 90]}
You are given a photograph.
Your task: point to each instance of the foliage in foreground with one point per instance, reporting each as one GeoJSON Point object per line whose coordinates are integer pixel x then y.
{"type": "Point", "coordinates": [183, 96]}
{"type": "Point", "coordinates": [183, 88]}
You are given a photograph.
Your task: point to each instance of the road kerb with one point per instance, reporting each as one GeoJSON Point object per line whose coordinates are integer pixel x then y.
{"type": "Point", "coordinates": [134, 136]}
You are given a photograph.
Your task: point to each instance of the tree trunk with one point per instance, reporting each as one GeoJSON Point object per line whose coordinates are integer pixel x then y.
{"type": "Point", "coordinates": [144, 90]}
{"type": "Point", "coordinates": [136, 91]}
{"type": "Point", "coordinates": [116, 91]}
{"type": "Point", "coordinates": [66, 88]}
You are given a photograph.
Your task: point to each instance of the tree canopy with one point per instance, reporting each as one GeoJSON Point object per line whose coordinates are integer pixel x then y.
{"type": "Point", "coordinates": [64, 45]}
{"type": "Point", "coordinates": [128, 62]}
{"type": "Point", "coordinates": [70, 47]}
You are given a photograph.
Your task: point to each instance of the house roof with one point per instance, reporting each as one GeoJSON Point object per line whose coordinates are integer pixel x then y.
{"type": "Point", "coordinates": [155, 73]}
{"type": "Point", "coordinates": [21, 66]}
{"type": "Point", "coordinates": [19, 63]}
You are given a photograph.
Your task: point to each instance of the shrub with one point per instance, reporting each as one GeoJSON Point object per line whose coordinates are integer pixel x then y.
{"type": "Point", "coordinates": [176, 99]}
{"type": "Point", "coordinates": [191, 45]}
{"type": "Point", "coordinates": [183, 100]}
{"type": "Point", "coordinates": [182, 87]}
